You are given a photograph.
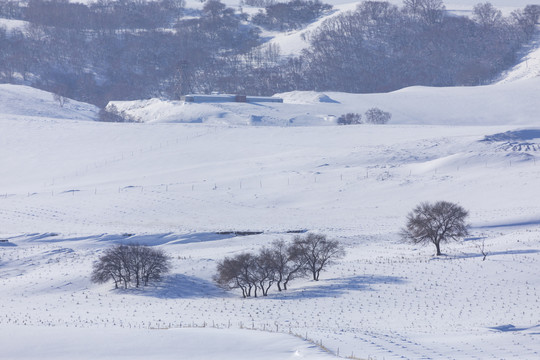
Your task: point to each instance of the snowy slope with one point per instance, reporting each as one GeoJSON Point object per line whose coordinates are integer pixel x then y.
{"type": "Point", "coordinates": [292, 43]}
{"type": "Point", "coordinates": [508, 103]}
{"type": "Point", "coordinates": [17, 101]}
{"type": "Point", "coordinates": [70, 188]}
{"type": "Point", "coordinates": [529, 66]}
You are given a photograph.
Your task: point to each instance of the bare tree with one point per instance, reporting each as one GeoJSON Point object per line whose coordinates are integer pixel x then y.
{"type": "Point", "coordinates": [435, 223]}
{"type": "Point", "coordinates": [237, 273]}
{"type": "Point", "coordinates": [228, 275]}
{"type": "Point", "coordinates": [156, 263]}
{"type": "Point", "coordinates": [60, 99]}
{"type": "Point", "coordinates": [113, 265]}
{"type": "Point", "coordinates": [287, 263]}
{"type": "Point", "coordinates": [317, 252]}
{"type": "Point", "coordinates": [482, 248]}
{"type": "Point", "coordinates": [130, 264]}
{"type": "Point", "coordinates": [377, 116]}
{"type": "Point", "coordinates": [147, 264]}
{"type": "Point", "coordinates": [486, 14]}
{"type": "Point", "coordinates": [264, 271]}
{"type": "Point", "coordinates": [430, 11]}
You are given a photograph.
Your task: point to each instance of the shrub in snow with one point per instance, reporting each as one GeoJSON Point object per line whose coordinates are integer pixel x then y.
{"type": "Point", "coordinates": [349, 119]}
{"type": "Point", "coordinates": [377, 116]}
{"type": "Point", "coordinates": [131, 264]}
{"type": "Point", "coordinates": [435, 223]}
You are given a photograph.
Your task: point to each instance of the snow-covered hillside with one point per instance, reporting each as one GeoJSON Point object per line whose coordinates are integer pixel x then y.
{"type": "Point", "coordinates": [292, 42]}
{"type": "Point", "coordinates": [529, 65]}
{"type": "Point", "coordinates": [191, 175]}
{"type": "Point", "coordinates": [508, 103]}
{"type": "Point", "coordinates": [24, 102]}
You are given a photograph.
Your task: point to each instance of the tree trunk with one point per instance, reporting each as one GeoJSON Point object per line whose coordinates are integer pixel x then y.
{"type": "Point", "coordinates": [438, 246]}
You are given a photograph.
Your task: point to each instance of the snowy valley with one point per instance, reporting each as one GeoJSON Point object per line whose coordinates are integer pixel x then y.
{"type": "Point", "coordinates": [190, 178]}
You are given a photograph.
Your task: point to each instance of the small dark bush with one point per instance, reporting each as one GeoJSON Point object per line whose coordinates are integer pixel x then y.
{"type": "Point", "coordinates": [377, 116]}
{"type": "Point", "coordinates": [350, 119]}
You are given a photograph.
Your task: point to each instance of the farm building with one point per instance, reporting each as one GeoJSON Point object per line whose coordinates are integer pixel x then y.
{"type": "Point", "coordinates": [214, 98]}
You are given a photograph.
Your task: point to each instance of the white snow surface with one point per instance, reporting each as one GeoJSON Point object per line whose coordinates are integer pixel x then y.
{"type": "Point", "coordinates": [187, 343]}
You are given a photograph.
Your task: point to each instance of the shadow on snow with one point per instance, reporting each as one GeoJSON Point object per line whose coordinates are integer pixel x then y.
{"type": "Point", "coordinates": [178, 286]}
{"type": "Point", "coordinates": [489, 254]}
{"type": "Point", "coordinates": [511, 328]}
{"type": "Point", "coordinates": [338, 286]}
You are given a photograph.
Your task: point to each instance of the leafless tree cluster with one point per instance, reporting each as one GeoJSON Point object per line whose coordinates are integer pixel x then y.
{"type": "Point", "coordinates": [417, 44]}
{"type": "Point", "coordinates": [434, 223]}
{"type": "Point", "coordinates": [124, 50]}
{"type": "Point", "coordinates": [131, 264]}
{"type": "Point", "coordinates": [350, 119]}
{"type": "Point", "coordinates": [278, 264]}
{"type": "Point", "coordinates": [372, 116]}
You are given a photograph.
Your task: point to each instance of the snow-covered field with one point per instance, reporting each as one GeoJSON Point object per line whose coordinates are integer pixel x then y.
{"type": "Point", "coordinates": [70, 188]}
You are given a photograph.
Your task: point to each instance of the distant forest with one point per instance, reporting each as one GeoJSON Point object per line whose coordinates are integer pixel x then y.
{"type": "Point", "coordinates": [124, 49]}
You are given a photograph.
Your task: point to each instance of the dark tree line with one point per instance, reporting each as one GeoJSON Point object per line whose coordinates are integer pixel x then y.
{"type": "Point", "coordinates": [100, 15]}
{"type": "Point", "coordinates": [131, 264]}
{"type": "Point", "coordinates": [380, 47]}
{"type": "Point", "coordinates": [278, 264]}
{"type": "Point", "coordinates": [372, 116]}
{"type": "Point", "coordinates": [125, 50]}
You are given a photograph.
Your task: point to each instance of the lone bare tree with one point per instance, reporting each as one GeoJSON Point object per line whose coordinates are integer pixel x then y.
{"type": "Point", "coordinates": [435, 223]}
{"type": "Point", "coordinates": [317, 252]}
